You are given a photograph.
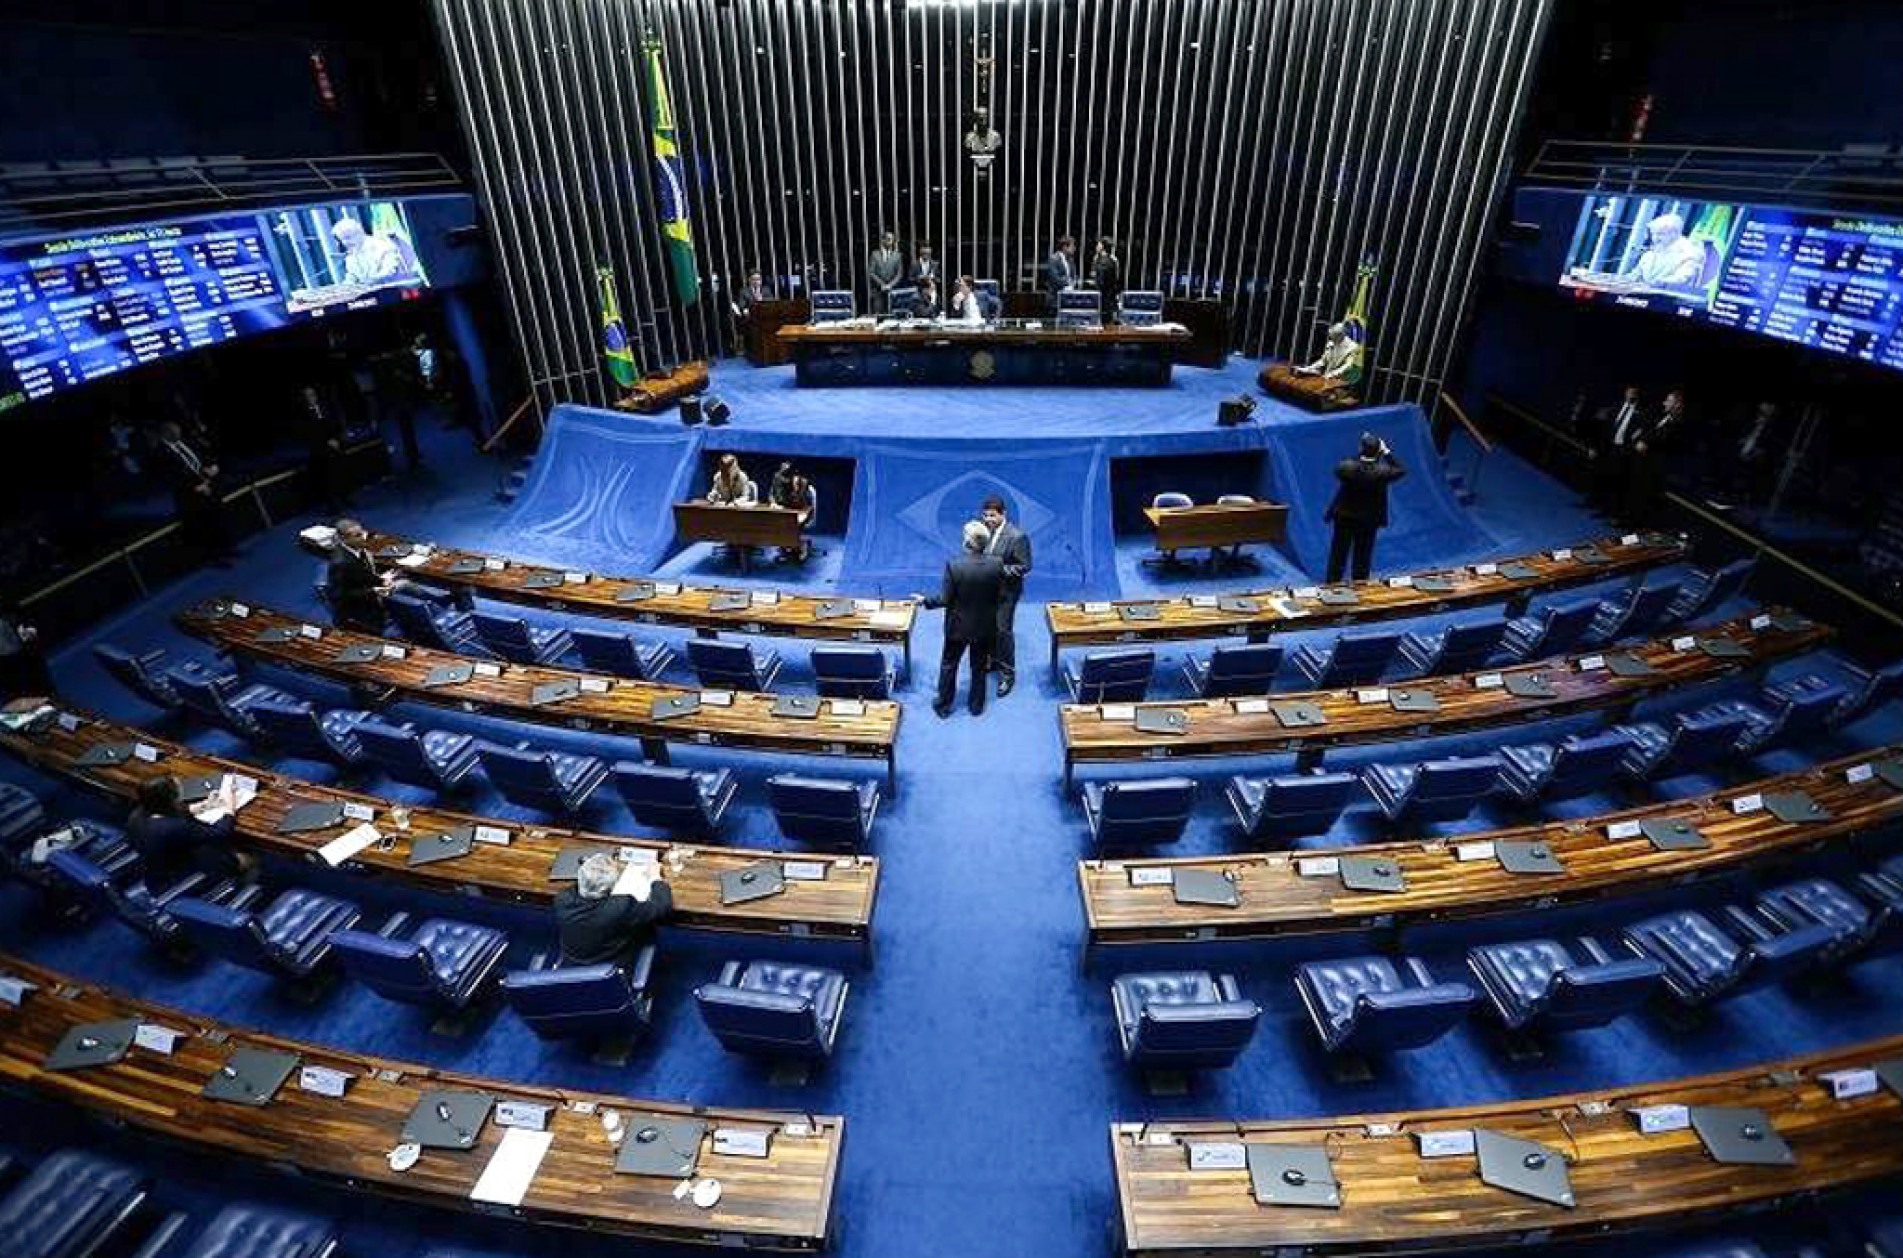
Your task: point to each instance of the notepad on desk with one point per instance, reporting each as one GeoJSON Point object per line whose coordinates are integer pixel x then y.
{"type": "Point", "coordinates": [348, 844]}
{"type": "Point", "coordinates": [511, 1169]}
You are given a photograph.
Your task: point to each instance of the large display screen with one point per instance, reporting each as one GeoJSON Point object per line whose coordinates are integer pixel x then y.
{"type": "Point", "coordinates": [75, 308]}
{"type": "Point", "coordinates": [1833, 282]}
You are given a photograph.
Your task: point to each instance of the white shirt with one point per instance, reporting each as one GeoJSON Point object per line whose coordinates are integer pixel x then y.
{"type": "Point", "coordinates": [1623, 424]}
{"type": "Point", "coordinates": [969, 311]}
{"type": "Point", "coordinates": [376, 261]}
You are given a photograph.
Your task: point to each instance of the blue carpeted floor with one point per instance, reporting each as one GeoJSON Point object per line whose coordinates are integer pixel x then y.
{"type": "Point", "coordinates": [978, 1067]}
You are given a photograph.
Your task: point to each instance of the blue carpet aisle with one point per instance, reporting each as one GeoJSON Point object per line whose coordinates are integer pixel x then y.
{"type": "Point", "coordinates": [978, 1068]}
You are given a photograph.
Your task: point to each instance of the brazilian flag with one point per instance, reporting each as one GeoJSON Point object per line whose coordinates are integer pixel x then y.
{"type": "Point", "coordinates": [1355, 321]}
{"type": "Point", "coordinates": [614, 333]}
{"type": "Point", "coordinates": [669, 188]}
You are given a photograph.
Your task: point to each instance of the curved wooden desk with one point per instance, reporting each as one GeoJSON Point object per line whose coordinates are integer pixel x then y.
{"type": "Point", "coordinates": [836, 907]}
{"type": "Point", "coordinates": [1243, 726]}
{"type": "Point", "coordinates": [647, 600]}
{"type": "Point", "coordinates": [1255, 614]}
{"type": "Point", "coordinates": [782, 1201]}
{"type": "Point", "coordinates": [617, 705]}
{"type": "Point", "coordinates": [1394, 1200]}
{"type": "Point", "coordinates": [1301, 892]}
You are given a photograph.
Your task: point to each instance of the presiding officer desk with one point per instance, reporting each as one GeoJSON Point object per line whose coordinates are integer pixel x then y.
{"type": "Point", "coordinates": [513, 862]}
{"type": "Point", "coordinates": [1255, 614]}
{"type": "Point", "coordinates": [643, 600]}
{"type": "Point", "coordinates": [858, 352]}
{"type": "Point", "coordinates": [781, 1201]}
{"type": "Point", "coordinates": [391, 671]}
{"type": "Point", "coordinates": [1303, 893]}
{"type": "Point", "coordinates": [1306, 722]}
{"type": "Point", "coordinates": [1392, 1199]}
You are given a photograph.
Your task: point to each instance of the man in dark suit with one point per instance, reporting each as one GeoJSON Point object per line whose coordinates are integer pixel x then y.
{"type": "Point", "coordinates": [751, 294]}
{"type": "Point", "coordinates": [1012, 549]}
{"type": "Point", "coordinates": [194, 481]}
{"type": "Point", "coordinates": [599, 927]}
{"type": "Point", "coordinates": [355, 587]}
{"type": "Point", "coordinates": [172, 843]}
{"type": "Point", "coordinates": [1106, 272]}
{"type": "Point", "coordinates": [1645, 465]}
{"type": "Point", "coordinates": [974, 587]}
{"type": "Point", "coordinates": [1360, 508]}
{"type": "Point", "coordinates": [1060, 269]}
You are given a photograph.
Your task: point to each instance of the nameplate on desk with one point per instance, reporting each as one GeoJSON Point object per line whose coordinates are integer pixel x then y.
{"type": "Point", "coordinates": [1151, 876]}
{"type": "Point", "coordinates": [70, 723]}
{"type": "Point", "coordinates": [1486, 569]}
{"type": "Point", "coordinates": [717, 698]}
{"type": "Point", "coordinates": [1591, 663]}
{"type": "Point", "coordinates": [739, 1143]}
{"type": "Point", "coordinates": [1630, 539]}
{"type": "Point", "coordinates": [523, 1115]}
{"type": "Point", "coordinates": [1251, 707]}
{"type": "Point", "coordinates": [157, 1039]}
{"type": "Point", "coordinates": [491, 834]}
{"type": "Point", "coordinates": [575, 578]}
{"type": "Point", "coordinates": [1684, 643]}
{"type": "Point", "coordinates": [1623, 830]}
{"type": "Point", "coordinates": [1858, 773]}
{"type": "Point", "coordinates": [1318, 866]}
{"type": "Point", "coordinates": [1848, 1085]}
{"type": "Point", "coordinates": [848, 707]}
{"type": "Point", "coordinates": [309, 631]}
{"type": "Point", "coordinates": [1473, 851]}
{"type": "Point", "coordinates": [764, 598]}
{"type": "Point", "coordinates": [1656, 1119]}
{"type": "Point", "coordinates": [493, 564]}
{"type": "Point", "coordinates": [391, 651]}
{"type": "Point", "coordinates": [1378, 694]}
{"type": "Point", "coordinates": [804, 871]}
{"type": "Point", "coordinates": [729, 602]}
{"type": "Point", "coordinates": [1563, 554]}
{"type": "Point", "coordinates": [1400, 583]}
{"type": "Point", "coordinates": [323, 1081]}
{"type": "Point", "coordinates": [358, 811]}
{"type": "Point", "coordinates": [1747, 804]}
{"type": "Point", "coordinates": [596, 685]}
{"type": "Point", "coordinates": [1306, 591]}
{"type": "Point", "coordinates": [1489, 681]}
{"type": "Point", "coordinates": [486, 669]}
{"type": "Point", "coordinates": [1445, 1144]}
{"type": "Point", "coordinates": [1202, 600]}
{"type": "Point", "coordinates": [1761, 621]}
{"type": "Point", "coordinates": [1117, 712]}
{"type": "Point", "coordinates": [865, 604]}
{"type": "Point", "coordinates": [13, 990]}
{"type": "Point", "coordinates": [1218, 1156]}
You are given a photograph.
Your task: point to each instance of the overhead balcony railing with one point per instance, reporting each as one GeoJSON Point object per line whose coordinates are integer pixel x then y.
{"type": "Point", "coordinates": [1856, 177]}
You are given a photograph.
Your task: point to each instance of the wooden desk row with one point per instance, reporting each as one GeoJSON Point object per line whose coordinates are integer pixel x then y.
{"type": "Point", "coordinates": [1294, 893]}
{"type": "Point", "coordinates": [390, 671]}
{"type": "Point", "coordinates": [1434, 706]}
{"type": "Point", "coordinates": [781, 1201]}
{"type": "Point", "coordinates": [1393, 1199]}
{"type": "Point", "coordinates": [643, 600]}
{"type": "Point", "coordinates": [1255, 614]}
{"type": "Point", "coordinates": [838, 906]}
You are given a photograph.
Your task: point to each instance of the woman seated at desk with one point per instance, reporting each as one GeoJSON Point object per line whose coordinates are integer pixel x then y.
{"type": "Point", "coordinates": [732, 487]}
{"type": "Point", "coordinates": [965, 307]}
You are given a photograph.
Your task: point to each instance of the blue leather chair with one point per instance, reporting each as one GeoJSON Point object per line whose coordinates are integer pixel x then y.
{"type": "Point", "coordinates": [298, 730]}
{"type": "Point", "coordinates": [1140, 307]}
{"type": "Point", "coordinates": [1293, 806]}
{"type": "Point", "coordinates": [442, 964]}
{"type": "Point", "coordinates": [22, 821]}
{"type": "Point", "coordinates": [1709, 589]}
{"type": "Point", "coordinates": [1578, 764]}
{"type": "Point", "coordinates": [768, 1009]}
{"type": "Point", "coordinates": [147, 675]}
{"type": "Point", "coordinates": [688, 800]}
{"type": "Point", "coordinates": [1693, 741]}
{"type": "Point", "coordinates": [1234, 668]}
{"type": "Point", "coordinates": [824, 810]}
{"type": "Point", "coordinates": [620, 653]}
{"type": "Point", "coordinates": [1539, 985]}
{"type": "Point", "coordinates": [513, 638]}
{"type": "Point", "coordinates": [23, 825]}
{"type": "Point", "coordinates": [1884, 884]}
{"type": "Point", "coordinates": [439, 759]}
{"type": "Point", "coordinates": [1169, 500]}
{"type": "Point", "coordinates": [555, 781]}
{"type": "Point", "coordinates": [289, 939]}
{"type": "Point", "coordinates": [1633, 612]}
{"type": "Point", "coordinates": [430, 624]}
{"type": "Point", "coordinates": [1780, 718]}
{"type": "Point", "coordinates": [1350, 660]}
{"type": "Point", "coordinates": [245, 1230]}
{"type": "Point", "coordinates": [1117, 676]}
{"type": "Point", "coordinates": [1866, 690]}
{"type": "Point", "coordinates": [1128, 813]}
{"type": "Point", "coordinates": [584, 1002]}
{"type": "Point", "coordinates": [1552, 630]}
{"type": "Point", "coordinates": [127, 897]}
{"type": "Point", "coordinates": [1459, 648]}
{"type": "Point", "coordinates": [224, 703]}
{"type": "Point", "coordinates": [852, 672]}
{"type": "Point", "coordinates": [1433, 790]}
{"type": "Point", "coordinates": [733, 665]}
{"type": "Point", "coordinates": [1182, 1019]}
{"type": "Point", "coordinates": [72, 1205]}
{"type": "Point", "coordinates": [1703, 961]}
{"type": "Point", "coordinates": [1366, 1005]}
{"type": "Point", "coordinates": [1853, 924]}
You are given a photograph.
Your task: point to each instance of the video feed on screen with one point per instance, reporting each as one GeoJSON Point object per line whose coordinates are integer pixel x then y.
{"type": "Point", "coordinates": [1652, 246]}
{"type": "Point", "coordinates": [343, 255]}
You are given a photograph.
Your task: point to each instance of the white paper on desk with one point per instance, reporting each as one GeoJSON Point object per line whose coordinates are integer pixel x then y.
{"type": "Point", "coordinates": [348, 844]}
{"type": "Point", "coordinates": [638, 878]}
{"type": "Point", "coordinates": [512, 1167]}
{"type": "Point", "coordinates": [235, 790]}
{"type": "Point", "coordinates": [415, 559]}
{"type": "Point", "coordinates": [319, 534]}
{"type": "Point", "coordinates": [888, 620]}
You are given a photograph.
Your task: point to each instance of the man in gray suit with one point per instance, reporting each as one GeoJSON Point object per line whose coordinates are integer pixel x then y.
{"type": "Point", "coordinates": [886, 267]}
{"type": "Point", "coordinates": [1060, 269]}
{"type": "Point", "coordinates": [970, 596]}
{"type": "Point", "coordinates": [1013, 549]}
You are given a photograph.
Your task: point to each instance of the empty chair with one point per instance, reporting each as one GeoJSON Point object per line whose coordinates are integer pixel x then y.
{"type": "Point", "coordinates": [1366, 1005]}
{"type": "Point", "coordinates": [1884, 884]}
{"type": "Point", "coordinates": [733, 665]}
{"type": "Point", "coordinates": [430, 624]}
{"type": "Point", "coordinates": [72, 1205]}
{"type": "Point", "coordinates": [1116, 676]}
{"type": "Point", "coordinates": [1578, 764]}
{"type": "Point", "coordinates": [1709, 589]}
{"type": "Point", "coordinates": [1540, 985]}
{"type": "Point", "coordinates": [440, 759]}
{"type": "Point", "coordinates": [675, 799]}
{"type": "Point", "coordinates": [620, 653]}
{"type": "Point", "coordinates": [289, 939]}
{"type": "Point", "coordinates": [515, 639]}
{"type": "Point", "coordinates": [1853, 924]}
{"type": "Point", "coordinates": [223, 702]}
{"type": "Point", "coordinates": [1169, 500]}
{"type": "Point", "coordinates": [1637, 610]}
{"type": "Point", "coordinates": [767, 1009]}
{"type": "Point", "coordinates": [1433, 790]}
{"type": "Point", "coordinates": [1459, 648]}
{"type": "Point", "coordinates": [1703, 961]}
{"type": "Point", "coordinates": [1692, 741]}
{"type": "Point", "coordinates": [1182, 1019]}
{"type": "Point", "coordinates": [28, 843]}
{"type": "Point", "coordinates": [1234, 668]}
{"type": "Point", "coordinates": [584, 1002]}
{"type": "Point", "coordinates": [442, 964]}
{"type": "Point", "coordinates": [22, 817]}
{"type": "Point", "coordinates": [143, 908]}
{"type": "Point", "coordinates": [1292, 806]}
{"type": "Point", "coordinates": [1783, 717]}
{"type": "Point", "coordinates": [1349, 660]}
{"type": "Point", "coordinates": [1122, 813]}
{"type": "Point", "coordinates": [146, 675]}
{"type": "Point", "coordinates": [852, 672]}
{"type": "Point", "coordinates": [1552, 630]}
{"type": "Point", "coordinates": [556, 781]}
{"type": "Point", "coordinates": [299, 730]}
{"type": "Point", "coordinates": [245, 1230]}
{"type": "Point", "coordinates": [823, 810]}
{"type": "Point", "coordinates": [1232, 555]}
{"type": "Point", "coordinates": [1140, 307]}
{"type": "Point", "coordinates": [1866, 690]}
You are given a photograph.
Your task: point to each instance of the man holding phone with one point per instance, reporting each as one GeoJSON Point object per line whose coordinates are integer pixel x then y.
{"type": "Point", "coordinates": [1360, 508]}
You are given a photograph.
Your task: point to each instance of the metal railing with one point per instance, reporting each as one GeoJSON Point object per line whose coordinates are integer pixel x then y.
{"type": "Point", "coordinates": [1850, 178]}
{"type": "Point", "coordinates": [1444, 403]}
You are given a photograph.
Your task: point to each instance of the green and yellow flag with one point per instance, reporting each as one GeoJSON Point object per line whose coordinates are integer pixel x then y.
{"type": "Point", "coordinates": [670, 190]}
{"type": "Point", "coordinates": [614, 333]}
{"type": "Point", "coordinates": [1355, 321]}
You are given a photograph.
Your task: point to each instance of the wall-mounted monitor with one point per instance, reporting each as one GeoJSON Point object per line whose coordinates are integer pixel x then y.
{"type": "Point", "coordinates": [1830, 281]}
